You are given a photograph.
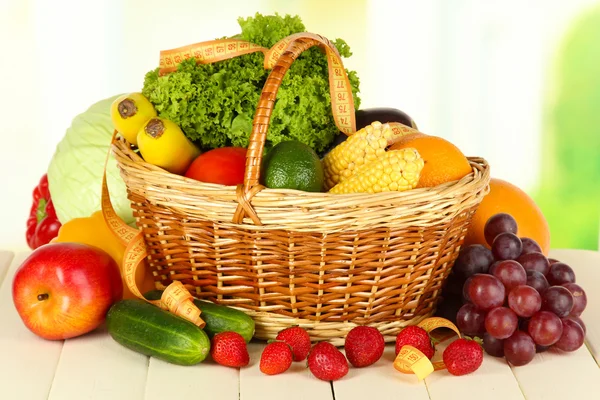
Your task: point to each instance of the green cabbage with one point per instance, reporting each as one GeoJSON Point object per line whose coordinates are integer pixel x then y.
{"type": "Point", "coordinates": [75, 171]}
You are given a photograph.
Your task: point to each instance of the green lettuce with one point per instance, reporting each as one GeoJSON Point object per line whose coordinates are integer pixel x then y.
{"type": "Point", "coordinates": [214, 104]}
{"type": "Point", "coordinates": [75, 171]}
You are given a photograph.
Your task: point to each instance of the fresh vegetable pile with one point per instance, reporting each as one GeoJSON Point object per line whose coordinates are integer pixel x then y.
{"type": "Point", "coordinates": [196, 121]}
{"type": "Point", "coordinates": [198, 107]}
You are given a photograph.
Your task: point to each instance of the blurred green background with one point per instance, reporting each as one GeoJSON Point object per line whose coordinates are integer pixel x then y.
{"type": "Point", "coordinates": [569, 194]}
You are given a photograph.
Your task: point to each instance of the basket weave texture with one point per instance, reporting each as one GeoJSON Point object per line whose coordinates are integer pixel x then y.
{"type": "Point", "coordinates": [326, 262]}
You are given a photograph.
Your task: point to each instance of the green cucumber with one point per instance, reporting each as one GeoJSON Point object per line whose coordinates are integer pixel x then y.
{"type": "Point", "coordinates": [150, 330]}
{"type": "Point", "coordinates": [218, 318]}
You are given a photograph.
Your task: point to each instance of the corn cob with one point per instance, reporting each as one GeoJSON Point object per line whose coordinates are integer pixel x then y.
{"type": "Point", "coordinates": [396, 170]}
{"type": "Point", "coordinates": [362, 147]}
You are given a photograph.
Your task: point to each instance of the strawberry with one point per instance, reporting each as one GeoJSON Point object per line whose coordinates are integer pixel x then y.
{"type": "Point", "coordinates": [416, 337]}
{"type": "Point", "coordinates": [276, 358]}
{"type": "Point", "coordinates": [298, 339]}
{"type": "Point", "coordinates": [364, 346]}
{"type": "Point", "coordinates": [229, 349]}
{"type": "Point", "coordinates": [463, 356]}
{"type": "Point", "coordinates": [326, 362]}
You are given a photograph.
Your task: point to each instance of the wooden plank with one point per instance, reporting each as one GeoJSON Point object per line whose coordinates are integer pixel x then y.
{"type": "Point", "coordinates": [493, 380]}
{"type": "Point", "coordinates": [557, 375]}
{"type": "Point", "coordinates": [586, 265]}
{"type": "Point", "coordinates": [29, 362]}
{"type": "Point", "coordinates": [5, 259]}
{"type": "Point", "coordinates": [297, 383]}
{"type": "Point", "coordinates": [380, 380]}
{"type": "Point", "coordinates": [94, 366]}
{"type": "Point", "coordinates": [206, 380]}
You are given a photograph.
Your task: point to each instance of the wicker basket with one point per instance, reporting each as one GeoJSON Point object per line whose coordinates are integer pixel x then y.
{"type": "Point", "coordinates": [322, 261]}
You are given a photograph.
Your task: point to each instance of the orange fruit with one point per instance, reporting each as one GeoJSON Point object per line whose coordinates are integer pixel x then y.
{"type": "Point", "coordinates": [444, 162]}
{"type": "Point", "coordinates": [508, 198]}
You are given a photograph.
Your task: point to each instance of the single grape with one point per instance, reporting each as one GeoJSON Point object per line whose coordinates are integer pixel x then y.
{"type": "Point", "coordinates": [530, 246]}
{"type": "Point", "coordinates": [497, 224]}
{"type": "Point", "coordinates": [545, 328]}
{"type": "Point", "coordinates": [579, 321]}
{"type": "Point", "coordinates": [465, 292]}
{"type": "Point", "coordinates": [572, 336]}
{"type": "Point", "coordinates": [519, 349]}
{"type": "Point", "coordinates": [511, 274]}
{"type": "Point", "coordinates": [560, 273]}
{"type": "Point", "coordinates": [535, 261]}
{"type": "Point", "coordinates": [493, 267]}
{"type": "Point", "coordinates": [524, 301]}
{"type": "Point", "coordinates": [579, 298]}
{"type": "Point", "coordinates": [485, 291]}
{"type": "Point", "coordinates": [470, 320]}
{"type": "Point", "coordinates": [507, 246]}
{"type": "Point", "coordinates": [501, 322]}
{"type": "Point", "coordinates": [471, 260]}
{"type": "Point", "coordinates": [492, 346]}
{"type": "Point", "coordinates": [558, 300]}
{"type": "Point", "coordinates": [537, 280]}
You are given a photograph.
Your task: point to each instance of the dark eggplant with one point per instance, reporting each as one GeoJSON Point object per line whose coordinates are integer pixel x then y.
{"type": "Point", "coordinates": [383, 115]}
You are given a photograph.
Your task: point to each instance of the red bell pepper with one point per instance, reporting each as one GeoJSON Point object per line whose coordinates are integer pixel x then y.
{"type": "Point", "coordinates": [42, 224]}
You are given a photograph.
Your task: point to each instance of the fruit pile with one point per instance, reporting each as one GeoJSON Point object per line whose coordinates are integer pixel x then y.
{"type": "Point", "coordinates": [363, 346]}
{"type": "Point", "coordinates": [513, 297]}
{"type": "Point", "coordinates": [510, 297]}
{"type": "Point", "coordinates": [194, 103]}
{"type": "Point", "coordinates": [87, 280]}
{"type": "Point", "coordinates": [374, 159]}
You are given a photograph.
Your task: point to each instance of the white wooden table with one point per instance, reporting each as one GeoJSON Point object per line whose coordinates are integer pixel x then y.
{"type": "Point", "coordinates": [95, 367]}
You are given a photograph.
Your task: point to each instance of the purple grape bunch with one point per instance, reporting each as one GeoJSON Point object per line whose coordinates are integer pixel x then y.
{"type": "Point", "coordinates": [513, 297]}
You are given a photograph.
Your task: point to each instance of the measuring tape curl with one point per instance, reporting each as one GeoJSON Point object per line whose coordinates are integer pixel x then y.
{"type": "Point", "coordinates": [411, 360]}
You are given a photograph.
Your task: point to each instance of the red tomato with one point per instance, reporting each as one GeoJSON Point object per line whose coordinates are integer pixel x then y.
{"type": "Point", "coordinates": [224, 166]}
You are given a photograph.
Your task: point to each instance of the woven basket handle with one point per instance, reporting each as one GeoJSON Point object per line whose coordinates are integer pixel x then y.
{"type": "Point", "coordinates": [342, 104]}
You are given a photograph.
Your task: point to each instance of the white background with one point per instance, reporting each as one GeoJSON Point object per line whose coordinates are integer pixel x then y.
{"type": "Point", "coordinates": [471, 71]}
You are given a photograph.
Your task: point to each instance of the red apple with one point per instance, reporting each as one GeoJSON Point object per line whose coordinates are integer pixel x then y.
{"type": "Point", "coordinates": [63, 290]}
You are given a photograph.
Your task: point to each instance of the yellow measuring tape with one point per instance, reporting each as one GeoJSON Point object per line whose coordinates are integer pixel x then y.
{"type": "Point", "coordinates": [342, 102]}
{"type": "Point", "coordinates": [410, 360]}
{"type": "Point", "coordinates": [176, 298]}
{"type": "Point", "coordinates": [205, 53]}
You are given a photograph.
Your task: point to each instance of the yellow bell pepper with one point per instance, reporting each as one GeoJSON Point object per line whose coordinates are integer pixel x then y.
{"type": "Point", "coordinates": [94, 232]}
